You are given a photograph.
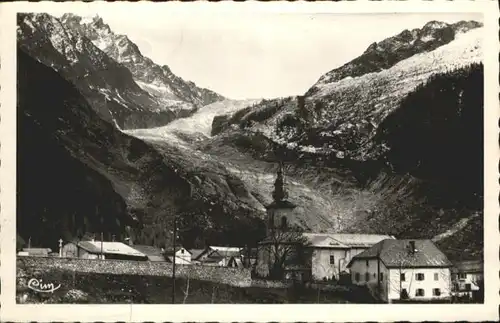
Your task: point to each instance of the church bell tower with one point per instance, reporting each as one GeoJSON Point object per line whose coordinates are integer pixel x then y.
{"type": "Point", "coordinates": [279, 212]}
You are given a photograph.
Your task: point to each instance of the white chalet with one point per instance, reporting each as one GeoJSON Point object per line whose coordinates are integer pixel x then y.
{"type": "Point", "coordinates": [467, 277]}
{"type": "Point", "coordinates": [397, 270]}
{"type": "Point", "coordinates": [331, 252]}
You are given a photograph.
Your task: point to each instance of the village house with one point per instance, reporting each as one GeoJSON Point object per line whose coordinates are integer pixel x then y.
{"type": "Point", "coordinates": [397, 270]}
{"type": "Point", "coordinates": [331, 252]}
{"type": "Point", "coordinates": [287, 252]}
{"type": "Point", "coordinates": [196, 255]}
{"type": "Point", "coordinates": [181, 254]}
{"type": "Point", "coordinates": [467, 278]}
{"type": "Point", "coordinates": [218, 256]}
{"type": "Point", "coordinates": [35, 252]}
{"type": "Point", "coordinates": [101, 250]}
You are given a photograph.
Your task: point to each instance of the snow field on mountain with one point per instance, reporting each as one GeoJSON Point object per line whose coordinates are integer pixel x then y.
{"type": "Point", "coordinates": [199, 123]}
{"type": "Point", "coordinates": [377, 94]}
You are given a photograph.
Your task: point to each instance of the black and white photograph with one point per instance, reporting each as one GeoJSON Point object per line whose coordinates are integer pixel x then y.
{"type": "Point", "coordinates": [220, 157]}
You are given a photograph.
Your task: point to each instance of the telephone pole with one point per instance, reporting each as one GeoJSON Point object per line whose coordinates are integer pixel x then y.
{"type": "Point", "coordinates": [173, 257]}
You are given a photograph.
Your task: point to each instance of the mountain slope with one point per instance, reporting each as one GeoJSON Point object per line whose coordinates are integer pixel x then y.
{"type": "Point", "coordinates": [107, 85]}
{"type": "Point", "coordinates": [375, 127]}
{"type": "Point", "coordinates": [342, 116]}
{"type": "Point", "coordinates": [97, 172]}
{"type": "Point", "coordinates": [170, 89]}
{"type": "Point", "coordinates": [192, 135]}
{"type": "Point", "coordinates": [388, 52]}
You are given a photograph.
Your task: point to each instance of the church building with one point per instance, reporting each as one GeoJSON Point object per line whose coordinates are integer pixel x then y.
{"type": "Point", "coordinates": [288, 252]}
{"type": "Point", "coordinates": [282, 254]}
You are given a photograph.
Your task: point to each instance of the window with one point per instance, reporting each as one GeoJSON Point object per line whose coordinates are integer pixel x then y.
{"type": "Point", "coordinates": [332, 260]}
{"type": "Point", "coordinates": [462, 275]}
{"type": "Point", "coordinates": [419, 292]}
{"type": "Point", "coordinates": [420, 276]}
{"type": "Point", "coordinates": [402, 277]}
{"type": "Point", "coordinates": [381, 276]}
{"type": "Point", "coordinates": [283, 222]}
{"type": "Point", "coordinates": [367, 276]}
{"type": "Point", "coordinates": [467, 286]}
{"type": "Point", "coordinates": [367, 264]}
{"type": "Point", "coordinates": [374, 275]}
{"type": "Point", "coordinates": [356, 277]}
{"type": "Point", "coordinates": [436, 292]}
{"type": "Point", "coordinates": [182, 251]}
{"type": "Point", "coordinates": [436, 276]}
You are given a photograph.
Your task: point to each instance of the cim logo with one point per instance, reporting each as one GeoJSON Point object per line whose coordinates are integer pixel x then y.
{"type": "Point", "coordinates": [39, 286]}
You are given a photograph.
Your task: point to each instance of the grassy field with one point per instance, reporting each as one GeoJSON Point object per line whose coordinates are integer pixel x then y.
{"type": "Point", "coordinates": [122, 289]}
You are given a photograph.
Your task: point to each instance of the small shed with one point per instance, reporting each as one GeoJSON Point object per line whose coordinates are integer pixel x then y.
{"type": "Point", "coordinates": [36, 252]}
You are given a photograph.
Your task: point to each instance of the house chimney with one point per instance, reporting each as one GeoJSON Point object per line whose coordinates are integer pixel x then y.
{"type": "Point", "coordinates": [412, 247]}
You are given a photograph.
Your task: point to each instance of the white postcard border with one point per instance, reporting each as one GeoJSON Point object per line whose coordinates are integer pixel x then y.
{"type": "Point", "coordinates": [10, 311]}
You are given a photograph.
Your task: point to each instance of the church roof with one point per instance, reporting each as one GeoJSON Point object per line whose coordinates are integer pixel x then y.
{"type": "Point", "coordinates": [395, 254]}
{"type": "Point", "coordinates": [344, 240]}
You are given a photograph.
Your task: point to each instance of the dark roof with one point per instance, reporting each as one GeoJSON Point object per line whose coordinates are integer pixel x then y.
{"type": "Point", "coordinates": [170, 251]}
{"type": "Point", "coordinates": [195, 253]}
{"type": "Point", "coordinates": [153, 253]}
{"type": "Point", "coordinates": [396, 254]}
{"type": "Point", "coordinates": [250, 252]}
{"type": "Point", "coordinates": [468, 266]}
{"type": "Point", "coordinates": [281, 205]}
{"type": "Point", "coordinates": [214, 257]}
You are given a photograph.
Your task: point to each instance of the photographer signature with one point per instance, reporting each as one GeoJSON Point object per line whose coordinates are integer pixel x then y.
{"type": "Point", "coordinates": [39, 286]}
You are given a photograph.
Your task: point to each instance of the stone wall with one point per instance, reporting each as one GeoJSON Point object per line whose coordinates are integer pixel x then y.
{"type": "Point", "coordinates": [231, 276]}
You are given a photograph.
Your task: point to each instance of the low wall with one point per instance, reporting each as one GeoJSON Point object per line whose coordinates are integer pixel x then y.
{"type": "Point", "coordinates": [231, 276]}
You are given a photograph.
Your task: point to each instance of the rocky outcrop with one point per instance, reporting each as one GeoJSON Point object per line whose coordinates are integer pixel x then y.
{"type": "Point", "coordinates": [158, 80]}
{"type": "Point", "coordinates": [108, 86]}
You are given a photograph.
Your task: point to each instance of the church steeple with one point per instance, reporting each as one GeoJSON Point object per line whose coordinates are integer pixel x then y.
{"type": "Point", "coordinates": [279, 211]}
{"type": "Point", "coordinates": [279, 193]}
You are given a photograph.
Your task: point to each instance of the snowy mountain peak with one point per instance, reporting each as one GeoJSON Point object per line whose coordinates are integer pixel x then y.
{"type": "Point", "coordinates": [386, 53]}
{"type": "Point", "coordinates": [435, 25]}
{"type": "Point", "coordinates": [158, 80]}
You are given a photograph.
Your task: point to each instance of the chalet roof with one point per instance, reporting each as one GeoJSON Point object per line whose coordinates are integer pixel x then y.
{"type": "Point", "coordinates": [344, 240]}
{"type": "Point", "coordinates": [195, 253]}
{"type": "Point", "coordinates": [117, 248]}
{"type": "Point", "coordinates": [396, 254]}
{"type": "Point", "coordinates": [153, 253]}
{"type": "Point", "coordinates": [227, 251]}
{"type": "Point", "coordinates": [468, 266]}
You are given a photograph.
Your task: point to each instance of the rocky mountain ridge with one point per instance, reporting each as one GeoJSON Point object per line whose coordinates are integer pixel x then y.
{"type": "Point", "coordinates": [103, 180]}
{"type": "Point", "coordinates": [158, 80]}
{"type": "Point", "coordinates": [386, 53]}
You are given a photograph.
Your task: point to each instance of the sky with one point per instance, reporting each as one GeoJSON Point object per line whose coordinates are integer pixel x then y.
{"type": "Point", "coordinates": [260, 55]}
